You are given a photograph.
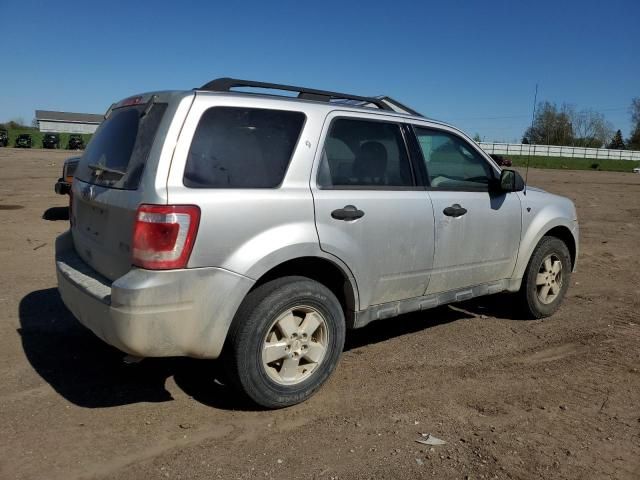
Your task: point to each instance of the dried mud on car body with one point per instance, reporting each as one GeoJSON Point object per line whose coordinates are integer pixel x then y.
{"type": "Point", "coordinates": [553, 398]}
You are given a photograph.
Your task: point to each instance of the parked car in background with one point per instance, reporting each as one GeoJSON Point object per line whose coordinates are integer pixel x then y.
{"type": "Point", "coordinates": [24, 141]}
{"type": "Point", "coordinates": [257, 229]}
{"type": "Point", "coordinates": [51, 140]}
{"type": "Point", "coordinates": [75, 142]}
{"type": "Point", "coordinates": [63, 185]}
{"type": "Point", "coordinates": [4, 137]}
{"type": "Point", "coordinates": [501, 160]}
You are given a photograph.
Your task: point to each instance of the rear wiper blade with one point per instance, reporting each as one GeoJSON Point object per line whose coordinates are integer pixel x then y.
{"type": "Point", "coordinates": [149, 105]}
{"type": "Point", "coordinates": [100, 169]}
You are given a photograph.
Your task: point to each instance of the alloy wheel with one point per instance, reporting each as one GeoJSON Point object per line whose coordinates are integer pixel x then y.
{"type": "Point", "coordinates": [295, 345]}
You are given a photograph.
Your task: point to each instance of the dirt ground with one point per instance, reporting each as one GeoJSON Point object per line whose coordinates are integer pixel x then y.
{"type": "Point", "coordinates": [554, 398]}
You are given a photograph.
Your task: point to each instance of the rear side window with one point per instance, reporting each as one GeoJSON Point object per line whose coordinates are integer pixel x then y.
{"type": "Point", "coordinates": [242, 148]}
{"type": "Point", "coordinates": [364, 154]}
{"type": "Point", "coordinates": [117, 153]}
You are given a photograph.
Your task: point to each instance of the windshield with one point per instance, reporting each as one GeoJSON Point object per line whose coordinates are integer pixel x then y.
{"type": "Point", "coordinates": [118, 151]}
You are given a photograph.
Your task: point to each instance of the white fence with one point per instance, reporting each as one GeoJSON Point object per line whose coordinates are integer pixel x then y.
{"type": "Point", "coordinates": [557, 151]}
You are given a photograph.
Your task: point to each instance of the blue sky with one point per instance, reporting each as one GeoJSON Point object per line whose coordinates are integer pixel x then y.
{"type": "Point", "coordinates": [474, 64]}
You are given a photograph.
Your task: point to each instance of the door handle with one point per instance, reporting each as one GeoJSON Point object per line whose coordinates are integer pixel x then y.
{"type": "Point", "coordinates": [349, 212]}
{"type": "Point", "coordinates": [454, 210]}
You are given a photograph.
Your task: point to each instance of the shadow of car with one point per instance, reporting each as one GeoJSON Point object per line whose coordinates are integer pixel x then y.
{"type": "Point", "coordinates": [89, 373]}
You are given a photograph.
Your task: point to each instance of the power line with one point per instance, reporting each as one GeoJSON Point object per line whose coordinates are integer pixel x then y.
{"type": "Point", "coordinates": [489, 118]}
{"type": "Point", "coordinates": [506, 117]}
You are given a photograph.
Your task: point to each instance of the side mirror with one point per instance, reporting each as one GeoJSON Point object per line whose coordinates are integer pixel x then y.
{"type": "Point", "coordinates": [511, 181]}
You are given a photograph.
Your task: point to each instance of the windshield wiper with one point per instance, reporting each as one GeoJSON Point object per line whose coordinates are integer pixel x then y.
{"type": "Point", "coordinates": [149, 105]}
{"type": "Point", "coordinates": [100, 169]}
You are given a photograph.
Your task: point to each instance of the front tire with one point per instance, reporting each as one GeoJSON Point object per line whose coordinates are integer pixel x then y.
{"type": "Point", "coordinates": [285, 341]}
{"type": "Point", "coordinates": [546, 279]}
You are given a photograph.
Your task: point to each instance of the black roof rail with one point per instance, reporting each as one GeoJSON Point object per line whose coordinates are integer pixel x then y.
{"type": "Point", "coordinates": [400, 107]}
{"type": "Point", "coordinates": [226, 84]}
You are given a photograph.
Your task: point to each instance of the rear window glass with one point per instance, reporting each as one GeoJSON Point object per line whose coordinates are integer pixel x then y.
{"type": "Point", "coordinates": [118, 151]}
{"type": "Point", "coordinates": [242, 148]}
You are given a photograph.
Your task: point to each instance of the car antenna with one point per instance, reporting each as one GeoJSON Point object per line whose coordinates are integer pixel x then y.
{"type": "Point", "coordinates": [533, 117]}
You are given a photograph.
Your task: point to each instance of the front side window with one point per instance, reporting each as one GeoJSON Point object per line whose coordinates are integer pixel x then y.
{"type": "Point", "coordinates": [451, 163]}
{"type": "Point", "coordinates": [242, 148]}
{"type": "Point", "coordinates": [364, 154]}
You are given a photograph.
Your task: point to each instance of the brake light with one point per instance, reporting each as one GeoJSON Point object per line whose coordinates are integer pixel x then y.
{"type": "Point", "coordinates": [163, 235]}
{"type": "Point", "coordinates": [130, 101]}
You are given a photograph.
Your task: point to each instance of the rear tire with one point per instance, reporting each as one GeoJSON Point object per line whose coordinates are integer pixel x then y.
{"type": "Point", "coordinates": [546, 279]}
{"type": "Point", "coordinates": [285, 341]}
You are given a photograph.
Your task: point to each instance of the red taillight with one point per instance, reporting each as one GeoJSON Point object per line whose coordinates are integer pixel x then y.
{"type": "Point", "coordinates": [163, 235]}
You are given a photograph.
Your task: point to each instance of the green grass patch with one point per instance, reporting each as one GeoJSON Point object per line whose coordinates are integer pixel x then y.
{"type": "Point", "coordinates": [568, 163]}
{"type": "Point", "coordinates": [36, 137]}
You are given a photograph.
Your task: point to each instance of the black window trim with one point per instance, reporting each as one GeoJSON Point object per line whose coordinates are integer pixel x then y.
{"type": "Point", "coordinates": [415, 153]}
{"type": "Point", "coordinates": [417, 184]}
{"type": "Point", "coordinates": [293, 151]}
{"type": "Point", "coordinates": [423, 163]}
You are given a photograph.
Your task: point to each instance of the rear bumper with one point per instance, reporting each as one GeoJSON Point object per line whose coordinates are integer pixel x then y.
{"type": "Point", "coordinates": [152, 313]}
{"type": "Point", "coordinates": [62, 187]}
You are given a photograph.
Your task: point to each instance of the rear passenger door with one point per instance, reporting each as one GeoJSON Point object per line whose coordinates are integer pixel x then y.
{"type": "Point", "coordinates": [370, 211]}
{"type": "Point", "coordinates": [235, 161]}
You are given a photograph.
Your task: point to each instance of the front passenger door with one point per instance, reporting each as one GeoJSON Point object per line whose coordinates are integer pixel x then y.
{"type": "Point", "coordinates": [477, 231]}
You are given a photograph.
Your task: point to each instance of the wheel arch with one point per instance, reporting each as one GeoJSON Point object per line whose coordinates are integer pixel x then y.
{"type": "Point", "coordinates": [335, 277]}
{"type": "Point", "coordinates": [563, 233]}
{"type": "Point", "coordinates": [557, 227]}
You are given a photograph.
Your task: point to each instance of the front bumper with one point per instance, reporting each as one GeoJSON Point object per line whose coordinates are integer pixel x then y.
{"type": "Point", "coordinates": [152, 313]}
{"type": "Point", "coordinates": [575, 231]}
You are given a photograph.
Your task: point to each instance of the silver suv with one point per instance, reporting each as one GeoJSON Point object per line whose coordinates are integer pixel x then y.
{"type": "Point", "coordinates": [259, 228]}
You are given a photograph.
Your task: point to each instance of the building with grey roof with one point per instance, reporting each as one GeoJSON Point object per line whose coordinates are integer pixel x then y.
{"type": "Point", "coordinates": [67, 122]}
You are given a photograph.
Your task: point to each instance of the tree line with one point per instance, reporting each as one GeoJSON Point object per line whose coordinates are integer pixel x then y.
{"type": "Point", "coordinates": [566, 126]}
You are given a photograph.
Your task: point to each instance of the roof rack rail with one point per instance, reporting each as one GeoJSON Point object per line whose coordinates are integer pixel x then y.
{"type": "Point", "coordinates": [399, 107]}
{"type": "Point", "coordinates": [226, 84]}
